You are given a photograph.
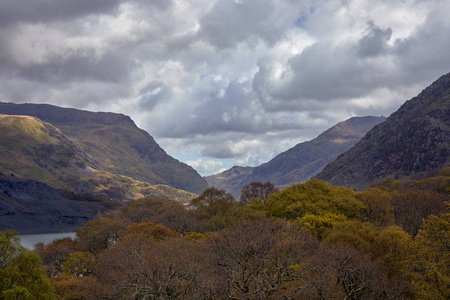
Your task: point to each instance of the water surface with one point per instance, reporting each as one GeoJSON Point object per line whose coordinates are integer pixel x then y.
{"type": "Point", "coordinates": [29, 240]}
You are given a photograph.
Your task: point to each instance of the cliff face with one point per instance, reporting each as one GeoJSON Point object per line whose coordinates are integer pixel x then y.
{"type": "Point", "coordinates": [301, 162]}
{"type": "Point", "coordinates": [113, 143]}
{"type": "Point", "coordinates": [414, 139]}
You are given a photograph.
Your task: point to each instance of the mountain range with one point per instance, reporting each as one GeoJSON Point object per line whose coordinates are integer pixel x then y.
{"type": "Point", "coordinates": [301, 162]}
{"type": "Point", "coordinates": [414, 139]}
{"type": "Point", "coordinates": [60, 166]}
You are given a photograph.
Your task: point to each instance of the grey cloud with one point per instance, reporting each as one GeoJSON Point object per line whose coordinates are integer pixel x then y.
{"type": "Point", "coordinates": [326, 73]}
{"type": "Point", "coordinates": [160, 5]}
{"type": "Point", "coordinates": [153, 94]}
{"type": "Point", "coordinates": [232, 22]}
{"type": "Point", "coordinates": [375, 42]}
{"type": "Point", "coordinates": [425, 54]}
{"type": "Point", "coordinates": [111, 67]}
{"type": "Point", "coordinates": [219, 151]}
{"type": "Point", "coordinates": [320, 72]}
{"type": "Point", "coordinates": [219, 113]}
{"type": "Point", "coordinates": [12, 11]}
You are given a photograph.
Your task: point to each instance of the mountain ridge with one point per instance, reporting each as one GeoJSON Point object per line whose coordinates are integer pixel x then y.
{"type": "Point", "coordinates": [414, 139]}
{"type": "Point", "coordinates": [115, 144]}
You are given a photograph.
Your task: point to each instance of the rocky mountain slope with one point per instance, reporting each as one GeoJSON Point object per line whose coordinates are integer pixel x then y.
{"type": "Point", "coordinates": [414, 139]}
{"type": "Point", "coordinates": [29, 206]}
{"type": "Point", "coordinates": [105, 142]}
{"type": "Point", "coordinates": [301, 162]}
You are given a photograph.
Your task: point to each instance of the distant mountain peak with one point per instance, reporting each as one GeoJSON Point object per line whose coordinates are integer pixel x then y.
{"type": "Point", "coordinates": [301, 162]}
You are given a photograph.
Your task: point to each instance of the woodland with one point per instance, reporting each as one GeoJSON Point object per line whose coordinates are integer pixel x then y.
{"type": "Point", "coordinates": [308, 241]}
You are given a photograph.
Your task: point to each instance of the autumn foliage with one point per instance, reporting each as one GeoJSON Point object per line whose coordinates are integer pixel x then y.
{"type": "Point", "coordinates": [308, 241]}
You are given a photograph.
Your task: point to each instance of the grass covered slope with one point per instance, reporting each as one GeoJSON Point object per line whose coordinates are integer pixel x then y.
{"type": "Point", "coordinates": [36, 150]}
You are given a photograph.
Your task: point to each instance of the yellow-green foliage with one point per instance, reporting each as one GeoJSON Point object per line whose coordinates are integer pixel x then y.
{"type": "Point", "coordinates": [360, 235]}
{"type": "Point", "coordinates": [318, 224]}
{"type": "Point", "coordinates": [194, 236]}
{"type": "Point", "coordinates": [78, 263]}
{"type": "Point", "coordinates": [26, 128]}
{"type": "Point", "coordinates": [388, 245]}
{"type": "Point", "coordinates": [379, 208]}
{"type": "Point", "coordinates": [429, 263]}
{"type": "Point", "coordinates": [314, 197]}
{"type": "Point", "coordinates": [21, 272]}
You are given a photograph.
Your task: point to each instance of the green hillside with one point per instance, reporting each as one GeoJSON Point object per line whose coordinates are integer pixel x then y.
{"type": "Point", "coordinates": [36, 150]}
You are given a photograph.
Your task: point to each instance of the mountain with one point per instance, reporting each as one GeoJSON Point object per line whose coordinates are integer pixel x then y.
{"type": "Point", "coordinates": [104, 142]}
{"type": "Point", "coordinates": [301, 162]}
{"type": "Point", "coordinates": [232, 180]}
{"type": "Point", "coordinates": [47, 183]}
{"type": "Point", "coordinates": [414, 139]}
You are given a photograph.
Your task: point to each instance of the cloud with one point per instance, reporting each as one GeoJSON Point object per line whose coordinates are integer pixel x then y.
{"type": "Point", "coordinates": [375, 42]}
{"type": "Point", "coordinates": [229, 23]}
{"type": "Point", "coordinates": [207, 166]}
{"type": "Point", "coordinates": [36, 11]}
{"type": "Point", "coordinates": [224, 81]}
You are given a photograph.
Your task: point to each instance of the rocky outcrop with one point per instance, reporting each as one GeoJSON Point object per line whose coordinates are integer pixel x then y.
{"type": "Point", "coordinates": [301, 162]}
{"type": "Point", "coordinates": [414, 139]}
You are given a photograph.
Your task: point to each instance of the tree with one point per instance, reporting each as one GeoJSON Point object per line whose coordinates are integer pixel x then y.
{"type": "Point", "coordinates": [413, 205]}
{"type": "Point", "coordinates": [319, 224]}
{"type": "Point", "coordinates": [142, 268]}
{"type": "Point", "coordinates": [164, 211]}
{"type": "Point", "coordinates": [96, 235]}
{"type": "Point", "coordinates": [54, 254]}
{"type": "Point", "coordinates": [21, 273]}
{"type": "Point", "coordinates": [263, 259]}
{"type": "Point", "coordinates": [213, 201]}
{"type": "Point", "coordinates": [378, 209]}
{"type": "Point", "coordinates": [148, 230]}
{"type": "Point", "coordinates": [360, 235]}
{"type": "Point", "coordinates": [356, 275]}
{"type": "Point", "coordinates": [216, 209]}
{"type": "Point", "coordinates": [314, 197]}
{"type": "Point", "coordinates": [429, 262]}
{"type": "Point", "coordinates": [78, 264]}
{"type": "Point", "coordinates": [257, 191]}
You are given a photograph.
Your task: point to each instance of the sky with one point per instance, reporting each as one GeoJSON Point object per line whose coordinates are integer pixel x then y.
{"type": "Point", "coordinates": [219, 83]}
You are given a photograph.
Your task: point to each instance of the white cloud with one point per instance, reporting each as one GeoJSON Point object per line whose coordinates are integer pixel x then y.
{"type": "Point", "coordinates": [207, 167]}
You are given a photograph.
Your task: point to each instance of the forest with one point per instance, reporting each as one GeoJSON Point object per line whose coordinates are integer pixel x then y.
{"type": "Point", "coordinates": [307, 241]}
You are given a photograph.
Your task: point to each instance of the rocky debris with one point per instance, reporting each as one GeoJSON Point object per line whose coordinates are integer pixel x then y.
{"type": "Point", "coordinates": [29, 206]}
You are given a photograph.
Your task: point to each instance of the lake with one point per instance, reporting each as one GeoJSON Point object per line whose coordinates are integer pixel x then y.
{"type": "Point", "coordinates": [29, 240]}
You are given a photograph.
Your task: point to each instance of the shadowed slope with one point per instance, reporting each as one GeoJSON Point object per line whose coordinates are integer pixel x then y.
{"type": "Point", "coordinates": [414, 139]}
